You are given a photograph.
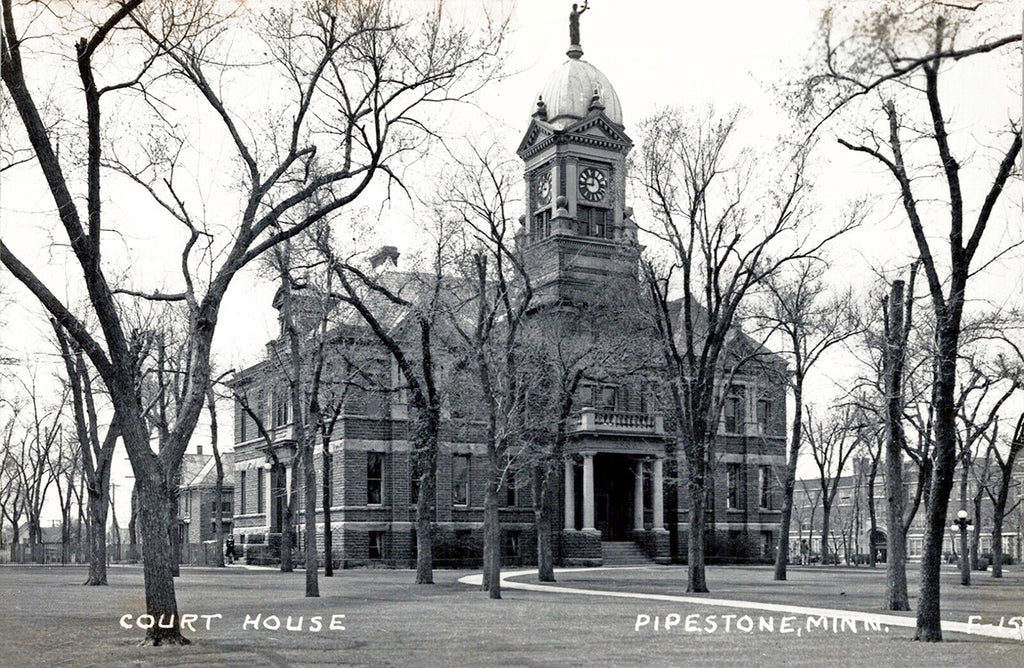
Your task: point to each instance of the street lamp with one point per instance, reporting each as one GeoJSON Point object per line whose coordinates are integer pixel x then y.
{"type": "Point", "coordinates": [961, 522]}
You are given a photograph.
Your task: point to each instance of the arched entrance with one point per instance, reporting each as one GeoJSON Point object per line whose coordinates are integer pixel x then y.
{"type": "Point", "coordinates": [878, 545]}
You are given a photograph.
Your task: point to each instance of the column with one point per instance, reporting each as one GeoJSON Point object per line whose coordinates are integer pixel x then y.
{"type": "Point", "coordinates": [570, 494]}
{"type": "Point", "coordinates": [638, 497]}
{"type": "Point", "coordinates": [658, 494]}
{"type": "Point", "coordinates": [588, 491]}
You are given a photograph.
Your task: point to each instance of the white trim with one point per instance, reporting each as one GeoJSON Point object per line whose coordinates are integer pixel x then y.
{"type": "Point", "coordinates": [737, 458]}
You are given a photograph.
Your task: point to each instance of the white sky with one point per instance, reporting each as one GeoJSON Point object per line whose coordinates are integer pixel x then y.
{"type": "Point", "coordinates": [655, 53]}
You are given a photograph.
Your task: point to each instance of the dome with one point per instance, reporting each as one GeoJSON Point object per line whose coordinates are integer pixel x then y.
{"type": "Point", "coordinates": [568, 92]}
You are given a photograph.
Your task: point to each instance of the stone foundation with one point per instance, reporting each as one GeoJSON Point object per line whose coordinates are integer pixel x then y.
{"type": "Point", "coordinates": [581, 548]}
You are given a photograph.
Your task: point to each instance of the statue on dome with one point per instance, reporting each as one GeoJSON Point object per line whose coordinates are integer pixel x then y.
{"type": "Point", "coordinates": [574, 23]}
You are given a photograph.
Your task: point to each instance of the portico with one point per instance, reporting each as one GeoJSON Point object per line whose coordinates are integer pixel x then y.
{"type": "Point", "coordinates": [615, 496]}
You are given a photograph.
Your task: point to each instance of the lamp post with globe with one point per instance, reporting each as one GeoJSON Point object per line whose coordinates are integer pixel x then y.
{"type": "Point", "coordinates": [961, 522]}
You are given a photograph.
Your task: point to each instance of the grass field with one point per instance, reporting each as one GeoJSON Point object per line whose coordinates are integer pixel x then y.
{"type": "Point", "coordinates": [47, 618]}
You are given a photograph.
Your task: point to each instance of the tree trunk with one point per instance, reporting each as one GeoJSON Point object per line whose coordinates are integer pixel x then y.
{"type": "Point", "coordinates": [929, 619]}
{"type": "Point", "coordinates": [872, 518]}
{"type": "Point", "coordinates": [997, 542]}
{"type": "Point", "coordinates": [976, 535]}
{"type": "Point", "coordinates": [696, 471]}
{"type": "Point", "coordinates": [155, 514]}
{"type": "Point", "coordinates": [826, 521]}
{"type": "Point", "coordinates": [789, 485]}
{"type": "Point", "coordinates": [896, 595]}
{"type": "Point", "coordinates": [492, 530]}
{"type": "Point", "coordinates": [328, 533]}
{"type": "Point", "coordinates": [309, 487]}
{"type": "Point", "coordinates": [173, 493]}
{"type": "Point", "coordinates": [97, 536]}
{"type": "Point", "coordinates": [287, 522]}
{"type": "Point", "coordinates": [542, 478]}
{"type": "Point", "coordinates": [133, 524]}
{"type": "Point", "coordinates": [425, 445]}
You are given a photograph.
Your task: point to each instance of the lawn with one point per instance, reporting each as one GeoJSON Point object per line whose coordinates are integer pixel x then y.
{"type": "Point", "coordinates": [47, 618]}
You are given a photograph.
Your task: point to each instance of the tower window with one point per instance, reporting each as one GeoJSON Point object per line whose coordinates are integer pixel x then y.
{"type": "Point", "coordinates": [594, 222]}
{"type": "Point", "coordinates": [541, 225]}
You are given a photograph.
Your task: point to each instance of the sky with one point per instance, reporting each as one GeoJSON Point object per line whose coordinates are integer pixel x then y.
{"type": "Point", "coordinates": [656, 54]}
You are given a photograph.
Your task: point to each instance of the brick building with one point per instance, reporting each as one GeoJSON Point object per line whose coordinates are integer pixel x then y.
{"type": "Point", "coordinates": [850, 526]}
{"type": "Point", "coordinates": [579, 242]}
{"type": "Point", "coordinates": [197, 497]}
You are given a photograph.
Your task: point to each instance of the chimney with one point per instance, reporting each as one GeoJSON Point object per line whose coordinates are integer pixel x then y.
{"type": "Point", "coordinates": [385, 254]}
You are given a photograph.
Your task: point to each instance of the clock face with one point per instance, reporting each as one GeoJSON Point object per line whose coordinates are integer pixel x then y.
{"type": "Point", "coordinates": [543, 188]}
{"type": "Point", "coordinates": [593, 184]}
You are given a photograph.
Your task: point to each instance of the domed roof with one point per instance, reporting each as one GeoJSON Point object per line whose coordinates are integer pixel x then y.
{"type": "Point", "coordinates": [569, 89]}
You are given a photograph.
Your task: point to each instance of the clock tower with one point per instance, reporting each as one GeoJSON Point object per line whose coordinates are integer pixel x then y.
{"type": "Point", "coordinates": [578, 236]}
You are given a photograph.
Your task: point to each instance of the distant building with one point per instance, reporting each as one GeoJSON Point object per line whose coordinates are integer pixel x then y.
{"type": "Point", "coordinates": [197, 497]}
{"type": "Point", "coordinates": [850, 531]}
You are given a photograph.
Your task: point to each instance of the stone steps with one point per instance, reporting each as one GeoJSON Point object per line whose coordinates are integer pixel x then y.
{"type": "Point", "coordinates": [623, 553]}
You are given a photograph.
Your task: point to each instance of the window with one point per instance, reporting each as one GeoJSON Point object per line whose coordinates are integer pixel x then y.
{"type": "Point", "coordinates": [281, 407]}
{"type": "Point", "coordinates": [594, 222]}
{"type": "Point", "coordinates": [511, 551]}
{"type": "Point", "coordinates": [260, 417]}
{"type": "Point", "coordinates": [766, 487]}
{"type": "Point", "coordinates": [764, 414]}
{"type": "Point", "coordinates": [512, 491]}
{"type": "Point", "coordinates": [241, 494]}
{"type": "Point", "coordinates": [733, 414]}
{"type": "Point", "coordinates": [374, 478]}
{"type": "Point", "coordinates": [460, 480]}
{"type": "Point", "coordinates": [541, 224]}
{"type": "Point", "coordinates": [259, 491]}
{"type": "Point", "coordinates": [606, 399]}
{"type": "Point", "coordinates": [732, 474]}
{"type": "Point", "coordinates": [242, 418]}
{"type": "Point", "coordinates": [376, 545]}
{"type": "Point", "coordinates": [188, 502]}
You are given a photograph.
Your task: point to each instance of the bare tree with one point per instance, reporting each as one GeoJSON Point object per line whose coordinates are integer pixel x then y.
{"type": "Point", "coordinates": [413, 350]}
{"type": "Point", "coordinates": [897, 53]}
{"type": "Point", "coordinates": [358, 73]}
{"type": "Point", "coordinates": [1001, 496]}
{"type": "Point", "coordinates": [10, 481]}
{"type": "Point", "coordinates": [97, 453]}
{"type": "Point", "coordinates": [831, 448]}
{"type": "Point", "coordinates": [500, 294]}
{"type": "Point", "coordinates": [977, 409]}
{"type": "Point", "coordinates": [561, 350]}
{"type": "Point", "coordinates": [724, 240]}
{"type": "Point", "coordinates": [41, 434]}
{"type": "Point", "coordinates": [809, 321]}
{"type": "Point", "coordinates": [218, 487]}
{"type": "Point", "coordinates": [898, 319]}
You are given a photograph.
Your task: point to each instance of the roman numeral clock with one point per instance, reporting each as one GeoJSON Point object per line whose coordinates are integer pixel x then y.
{"type": "Point", "coordinates": [593, 184]}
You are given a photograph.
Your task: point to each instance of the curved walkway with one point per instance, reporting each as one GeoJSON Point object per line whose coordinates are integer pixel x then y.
{"type": "Point", "coordinates": [989, 630]}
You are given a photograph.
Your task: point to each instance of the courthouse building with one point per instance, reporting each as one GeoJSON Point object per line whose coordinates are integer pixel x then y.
{"type": "Point", "coordinates": [579, 241]}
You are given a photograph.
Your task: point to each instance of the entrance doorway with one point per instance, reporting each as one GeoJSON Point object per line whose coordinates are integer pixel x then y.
{"type": "Point", "coordinates": [878, 544]}
{"type": "Point", "coordinates": [614, 480]}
